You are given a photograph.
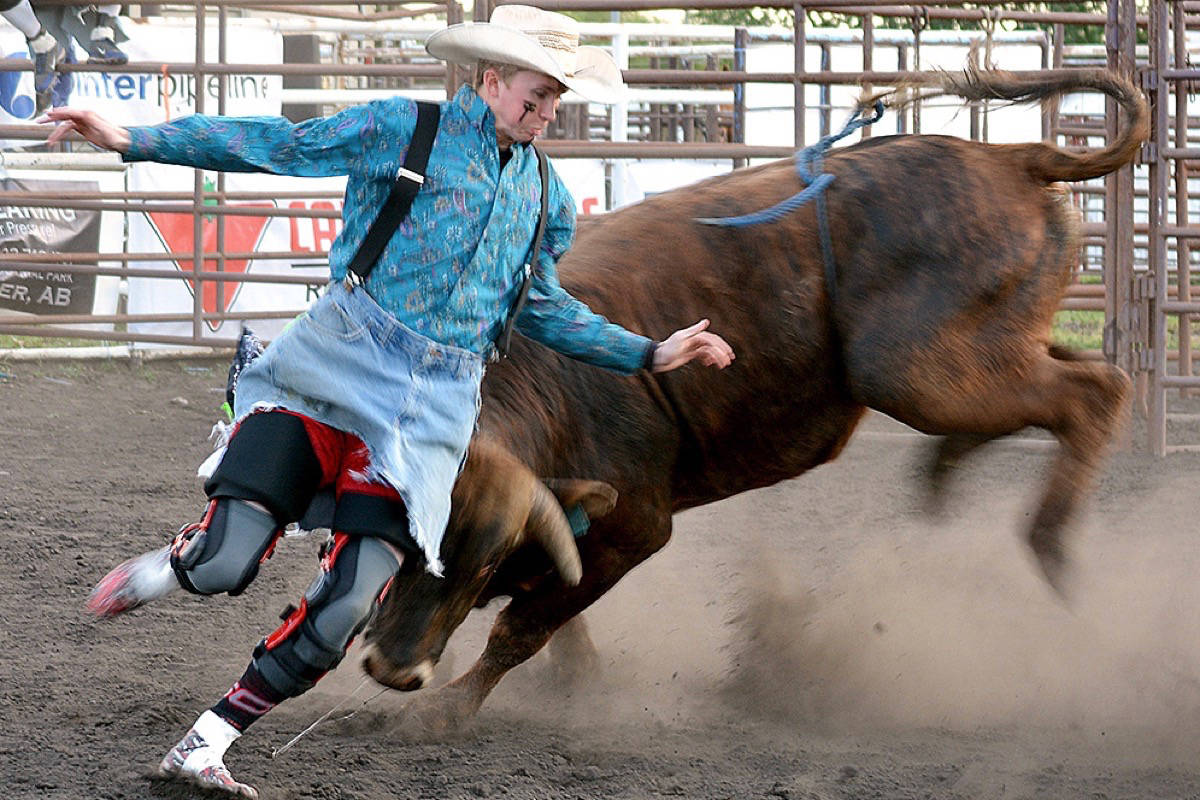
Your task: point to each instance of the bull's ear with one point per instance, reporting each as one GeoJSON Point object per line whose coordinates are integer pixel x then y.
{"type": "Point", "coordinates": [597, 497]}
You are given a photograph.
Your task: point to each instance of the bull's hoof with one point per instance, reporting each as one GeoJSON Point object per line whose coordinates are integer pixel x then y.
{"type": "Point", "coordinates": [574, 659]}
{"type": "Point", "coordinates": [1051, 557]}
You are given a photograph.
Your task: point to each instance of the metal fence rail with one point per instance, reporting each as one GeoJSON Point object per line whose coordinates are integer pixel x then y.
{"type": "Point", "coordinates": [379, 50]}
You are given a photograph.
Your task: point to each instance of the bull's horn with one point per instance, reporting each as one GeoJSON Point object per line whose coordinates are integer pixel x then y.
{"type": "Point", "coordinates": [548, 526]}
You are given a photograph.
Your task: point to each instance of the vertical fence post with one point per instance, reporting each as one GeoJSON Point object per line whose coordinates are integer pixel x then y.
{"type": "Point", "coordinates": [800, 42]}
{"type": "Point", "coordinates": [825, 96]}
{"type": "Point", "coordinates": [712, 116]}
{"type": "Point", "coordinates": [198, 185]}
{"type": "Point", "coordinates": [454, 15]}
{"type": "Point", "coordinates": [1159, 191]}
{"type": "Point", "coordinates": [1047, 111]}
{"type": "Point", "coordinates": [222, 88]}
{"type": "Point", "coordinates": [618, 177]}
{"type": "Point", "coordinates": [741, 40]}
{"type": "Point", "coordinates": [868, 55]}
{"type": "Point", "coordinates": [1183, 245]}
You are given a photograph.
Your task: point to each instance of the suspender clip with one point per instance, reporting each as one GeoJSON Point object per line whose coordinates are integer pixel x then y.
{"type": "Point", "coordinates": [408, 174]}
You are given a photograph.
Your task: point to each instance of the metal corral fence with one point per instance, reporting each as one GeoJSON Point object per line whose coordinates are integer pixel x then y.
{"type": "Point", "coordinates": [688, 91]}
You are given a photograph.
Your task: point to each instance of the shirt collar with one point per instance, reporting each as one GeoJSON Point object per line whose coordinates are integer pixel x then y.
{"type": "Point", "coordinates": [474, 109]}
{"type": "Point", "coordinates": [478, 113]}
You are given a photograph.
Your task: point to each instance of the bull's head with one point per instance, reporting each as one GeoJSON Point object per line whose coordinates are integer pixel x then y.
{"type": "Point", "coordinates": [498, 507]}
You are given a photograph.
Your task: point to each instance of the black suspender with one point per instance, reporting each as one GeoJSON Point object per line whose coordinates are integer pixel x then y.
{"type": "Point", "coordinates": [506, 337]}
{"type": "Point", "coordinates": [404, 189]}
{"type": "Point", "coordinates": [408, 182]}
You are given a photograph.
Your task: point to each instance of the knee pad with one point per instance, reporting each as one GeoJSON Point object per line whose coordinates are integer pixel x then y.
{"type": "Point", "coordinates": [270, 460]}
{"type": "Point", "coordinates": [222, 552]}
{"type": "Point", "coordinates": [355, 574]}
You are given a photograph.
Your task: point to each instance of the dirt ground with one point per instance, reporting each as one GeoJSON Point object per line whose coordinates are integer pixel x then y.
{"type": "Point", "coordinates": [818, 639]}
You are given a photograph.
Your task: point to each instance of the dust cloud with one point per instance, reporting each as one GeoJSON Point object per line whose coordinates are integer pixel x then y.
{"type": "Point", "coordinates": [954, 629]}
{"type": "Point", "coordinates": [828, 621]}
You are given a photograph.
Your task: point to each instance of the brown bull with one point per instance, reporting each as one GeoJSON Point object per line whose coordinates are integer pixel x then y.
{"type": "Point", "coordinates": [951, 258]}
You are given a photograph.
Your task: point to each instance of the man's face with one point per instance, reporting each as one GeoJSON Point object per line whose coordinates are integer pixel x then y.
{"type": "Point", "coordinates": [523, 106]}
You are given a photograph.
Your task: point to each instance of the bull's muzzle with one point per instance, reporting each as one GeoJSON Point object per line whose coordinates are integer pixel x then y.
{"type": "Point", "coordinates": [406, 679]}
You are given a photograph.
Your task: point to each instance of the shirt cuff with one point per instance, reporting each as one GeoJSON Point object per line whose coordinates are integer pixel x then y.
{"type": "Point", "coordinates": [648, 359]}
{"type": "Point", "coordinates": [141, 144]}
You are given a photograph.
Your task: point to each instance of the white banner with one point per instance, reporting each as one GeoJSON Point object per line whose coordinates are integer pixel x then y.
{"type": "Point", "coordinates": [140, 99]}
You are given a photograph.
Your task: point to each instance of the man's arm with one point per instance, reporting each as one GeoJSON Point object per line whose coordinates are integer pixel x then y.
{"type": "Point", "coordinates": [558, 320]}
{"type": "Point", "coordinates": [314, 148]}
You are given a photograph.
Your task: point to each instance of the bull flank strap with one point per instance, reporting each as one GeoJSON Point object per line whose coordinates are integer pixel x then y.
{"type": "Point", "coordinates": [409, 179]}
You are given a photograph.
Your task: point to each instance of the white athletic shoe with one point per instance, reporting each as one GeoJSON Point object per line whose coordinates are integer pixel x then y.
{"type": "Point", "coordinates": [198, 758]}
{"type": "Point", "coordinates": [135, 582]}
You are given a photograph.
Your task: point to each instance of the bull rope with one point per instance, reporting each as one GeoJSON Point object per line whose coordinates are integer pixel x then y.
{"type": "Point", "coordinates": [808, 168]}
{"type": "Point", "coordinates": [277, 751]}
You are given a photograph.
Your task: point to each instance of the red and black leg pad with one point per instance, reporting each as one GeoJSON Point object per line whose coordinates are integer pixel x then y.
{"type": "Point", "coordinates": [270, 460]}
{"type": "Point", "coordinates": [356, 572]}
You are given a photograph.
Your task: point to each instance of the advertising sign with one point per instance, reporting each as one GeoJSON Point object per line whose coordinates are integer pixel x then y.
{"type": "Point", "coordinates": [33, 229]}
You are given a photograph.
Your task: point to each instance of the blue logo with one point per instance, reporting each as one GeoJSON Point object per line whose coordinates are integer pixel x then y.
{"type": "Point", "coordinates": [21, 104]}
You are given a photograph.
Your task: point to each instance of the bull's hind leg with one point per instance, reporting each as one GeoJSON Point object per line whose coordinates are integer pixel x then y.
{"type": "Point", "coordinates": [1087, 415]}
{"type": "Point", "coordinates": [1080, 402]}
{"type": "Point", "coordinates": [950, 451]}
{"type": "Point", "coordinates": [946, 455]}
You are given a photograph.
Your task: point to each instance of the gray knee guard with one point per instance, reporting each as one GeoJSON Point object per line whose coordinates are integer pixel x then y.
{"type": "Point", "coordinates": [355, 572]}
{"type": "Point", "coordinates": [222, 552]}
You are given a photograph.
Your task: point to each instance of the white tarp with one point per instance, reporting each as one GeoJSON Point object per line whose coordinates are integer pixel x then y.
{"type": "Point", "coordinates": [146, 99]}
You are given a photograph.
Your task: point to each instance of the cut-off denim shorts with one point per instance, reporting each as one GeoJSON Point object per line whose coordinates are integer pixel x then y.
{"type": "Point", "coordinates": [351, 365]}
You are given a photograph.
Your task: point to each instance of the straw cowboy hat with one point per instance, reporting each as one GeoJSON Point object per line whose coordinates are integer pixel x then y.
{"type": "Point", "coordinates": [534, 39]}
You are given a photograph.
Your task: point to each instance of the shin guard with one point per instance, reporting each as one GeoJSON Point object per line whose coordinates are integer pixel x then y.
{"type": "Point", "coordinates": [356, 572]}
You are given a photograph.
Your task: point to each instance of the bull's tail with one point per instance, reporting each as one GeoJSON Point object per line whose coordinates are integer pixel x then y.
{"type": "Point", "coordinates": [1045, 161]}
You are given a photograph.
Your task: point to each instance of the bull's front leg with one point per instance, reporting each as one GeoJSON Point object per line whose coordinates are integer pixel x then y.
{"type": "Point", "coordinates": [574, 658]}
{"type": "Point", "coordinates": [525, 626]}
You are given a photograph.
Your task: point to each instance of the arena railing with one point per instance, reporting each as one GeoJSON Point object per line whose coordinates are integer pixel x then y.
{"type": "Point", "coordinates": [718, 132]}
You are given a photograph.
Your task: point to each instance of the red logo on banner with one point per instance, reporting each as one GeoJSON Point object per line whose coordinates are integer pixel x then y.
{"type": "Point", "coordinates": [242, 235]}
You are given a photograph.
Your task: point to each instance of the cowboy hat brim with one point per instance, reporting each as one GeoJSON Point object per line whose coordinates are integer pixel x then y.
{"type": "Point", "coordinates": [596, 76]}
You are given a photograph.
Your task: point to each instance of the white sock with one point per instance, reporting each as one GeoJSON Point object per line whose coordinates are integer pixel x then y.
{"type": "Point", "coordinates": [23, 19]}
{"type": "Point", "coordinates": [218, 735]}
{"type": "Point", "coordinates": [103, 30]}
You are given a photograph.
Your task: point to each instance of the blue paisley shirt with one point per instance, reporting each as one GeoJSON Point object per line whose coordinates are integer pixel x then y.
{"type": "Point", "coordinates": [455, 266]}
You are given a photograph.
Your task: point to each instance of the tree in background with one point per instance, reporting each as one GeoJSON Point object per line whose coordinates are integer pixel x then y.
{"type": "Point", "coordinates": [775, 17]}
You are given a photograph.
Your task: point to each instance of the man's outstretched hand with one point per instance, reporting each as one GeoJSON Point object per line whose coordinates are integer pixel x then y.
{"type": "Point", "coordinates": [88, 124]}
{"type": "Point", "coordinates": [693, 342]}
